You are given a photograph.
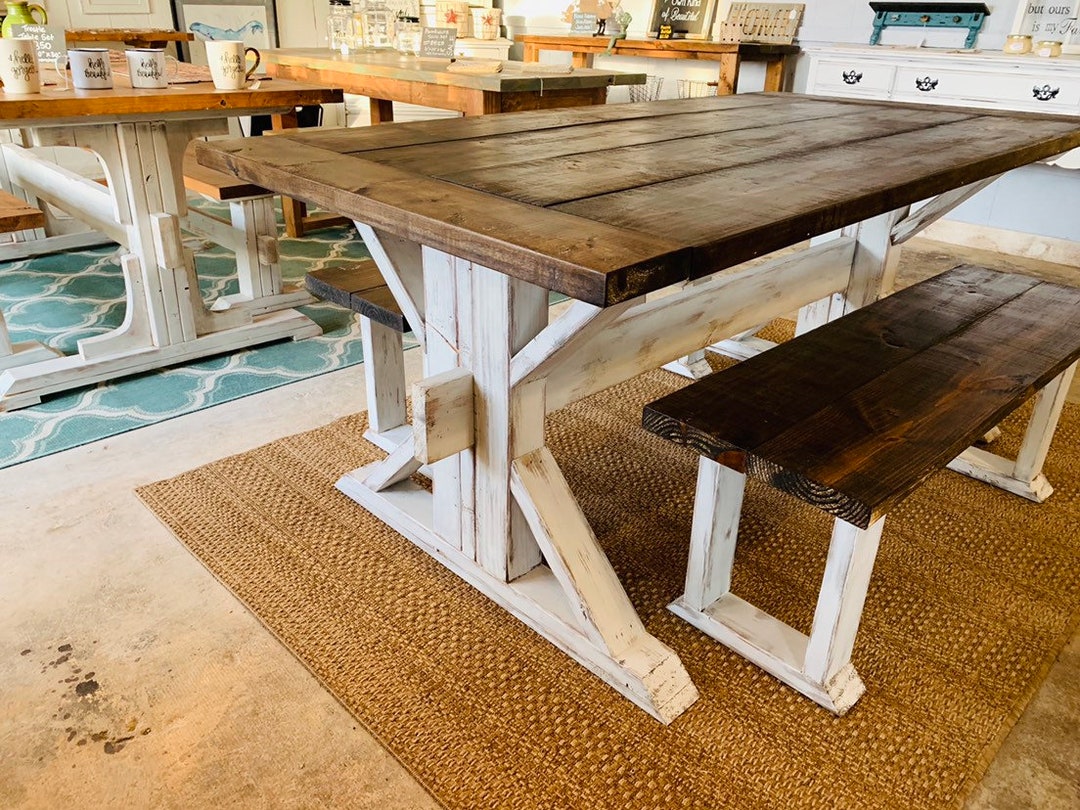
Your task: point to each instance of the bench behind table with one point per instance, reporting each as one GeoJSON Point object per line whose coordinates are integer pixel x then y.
{"type": "Point", "coordinates": [361, 288]}
{"type": "Point", "coordinates": [851, 418]}
{"type": "Point", "coordinates": [251, 233]}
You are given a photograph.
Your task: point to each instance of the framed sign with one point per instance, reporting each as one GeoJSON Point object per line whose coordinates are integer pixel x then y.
{"type": "Point", "coordinates": [1052, 20]}
{"type": "Point", "coordinates": [682, 19]}
{"type": "Point", "coordinates": [254, 22]}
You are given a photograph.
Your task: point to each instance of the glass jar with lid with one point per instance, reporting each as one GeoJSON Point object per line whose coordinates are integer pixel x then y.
{"type": "Point", "coordinates": [378, 25]}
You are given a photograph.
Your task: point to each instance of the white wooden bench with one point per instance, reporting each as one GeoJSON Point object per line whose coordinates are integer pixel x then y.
{"type": "Point", "coordinates": [251, 233]}
{"type": "Point", "coordinates": [851, 418]}
{"type": "Point", "coordinates": [361, 288]}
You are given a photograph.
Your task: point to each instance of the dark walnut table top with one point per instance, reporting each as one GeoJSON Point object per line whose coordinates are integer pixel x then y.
{"type": "Point", "coordinates": [609, 202]}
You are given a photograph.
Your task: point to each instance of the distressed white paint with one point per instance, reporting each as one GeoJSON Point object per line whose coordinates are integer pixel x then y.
{"type": "Point", "coordinates": [443, 415]}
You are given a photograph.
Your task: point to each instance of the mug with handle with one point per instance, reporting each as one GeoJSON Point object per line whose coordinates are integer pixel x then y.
{"type": "Point", "coordinates": [90, 69]}
{"type": "Point", "coordinates": [227, 59]}
{"type": "Point", "coordinates": [148, 67]}
{"type": "Point", "coordinates": [19, 69]}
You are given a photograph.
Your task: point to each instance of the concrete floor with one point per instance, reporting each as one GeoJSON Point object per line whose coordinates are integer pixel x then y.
{"type": "Point", "coordinates": [131, 677]}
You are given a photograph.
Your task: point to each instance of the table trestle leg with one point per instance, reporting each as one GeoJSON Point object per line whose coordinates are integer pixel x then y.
{"type": "Point", "coordinates": [819, 665]}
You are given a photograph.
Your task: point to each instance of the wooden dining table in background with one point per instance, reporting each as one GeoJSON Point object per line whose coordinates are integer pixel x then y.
{"type": "Point", "coordinates": [139, 136]}
{"type": "Point", "coordinates": [473, 222]}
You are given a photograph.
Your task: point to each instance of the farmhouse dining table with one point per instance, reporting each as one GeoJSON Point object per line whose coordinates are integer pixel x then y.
{"type": "Point", "coordinates": [139, 137]}
{"type": "Point", "coordinates": [473, 222]}
{"type": "Point", "coordinates": [388, 77]}
{"type": "Point", "coordinates": [729, 55]}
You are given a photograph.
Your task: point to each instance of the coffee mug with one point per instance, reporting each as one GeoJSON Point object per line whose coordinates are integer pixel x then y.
{"type": "Point", "coordinates": [148, 67]}
{"type": "Point", "coordinates": [19, 65]}
{"type": "Point", "coordinates": [227, 59]}
{"type": "Point", "coordinates": [90, 69]}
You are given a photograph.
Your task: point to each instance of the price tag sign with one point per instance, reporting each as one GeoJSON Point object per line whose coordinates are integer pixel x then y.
{"type": "Point", "coordinates": [583, 23]}
{"type": "Point", "coordinates": [438, 43]}
{"type": "Point", "coordinates": [50, 39]}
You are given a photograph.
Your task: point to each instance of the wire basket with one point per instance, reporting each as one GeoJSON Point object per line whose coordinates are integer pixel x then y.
{"type": "Point", "coordinates": [650, 91]}
{"type": "Point", "coordinates": [689, 88]}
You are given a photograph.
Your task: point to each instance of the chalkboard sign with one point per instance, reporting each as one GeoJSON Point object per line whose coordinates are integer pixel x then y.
{"type": "Point", "coordinates": [438, 43]}
{"type": "Point", "coordinates": [51, 41]}
{"type": "Point", "coordinates": [583, 23]}
{"type": "Point", "coordinates": [689, 19]}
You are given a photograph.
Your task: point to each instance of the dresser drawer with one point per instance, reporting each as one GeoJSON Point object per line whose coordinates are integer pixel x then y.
{"type": "Point", "coordinates": [842, 77]}
{"type": "Point", "coordinates": [1042, 92]}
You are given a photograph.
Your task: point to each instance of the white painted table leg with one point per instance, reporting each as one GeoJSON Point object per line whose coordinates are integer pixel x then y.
{"type": "Point", "coordinates": [384, 376]}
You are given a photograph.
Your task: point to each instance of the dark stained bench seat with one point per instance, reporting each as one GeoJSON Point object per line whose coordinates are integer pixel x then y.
{"type": "Point", "coordinates": [851, 418]}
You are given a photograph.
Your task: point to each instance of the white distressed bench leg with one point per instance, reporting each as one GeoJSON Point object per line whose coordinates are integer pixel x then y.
{"type": "Point", "coordinates": [384, 376]}
{"type": "Point", "coordinates": [1023, 476]}
{"type": "Point", "coordinates": [819, 665]}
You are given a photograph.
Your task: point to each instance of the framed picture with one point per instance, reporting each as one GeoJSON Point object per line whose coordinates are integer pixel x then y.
{"type": "Point", "coordinates": [682, 19]}
{"type": "Point", "coordinates": [254, 22]}
{"type": "Point", "coordinates": [1049, 21]}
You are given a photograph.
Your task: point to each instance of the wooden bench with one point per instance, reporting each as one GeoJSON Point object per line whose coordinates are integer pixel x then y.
{"type": "Point", "coordinates": [851, 418]}
{"type": "Point", "coordinates": [251, 233]}
{"type": "Point", "coordinates": [360, 287]}
{"type": "Point", "coordinates": [19, 215]}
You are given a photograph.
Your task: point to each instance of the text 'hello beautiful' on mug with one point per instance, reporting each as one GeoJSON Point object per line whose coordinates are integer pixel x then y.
{"type": "Point", "coordinates": [227, 59]}
{"type": "Point", "coordinates": [90, 69]}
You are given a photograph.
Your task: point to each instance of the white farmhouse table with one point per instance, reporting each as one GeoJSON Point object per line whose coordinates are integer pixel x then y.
{"type": "Point", "coordinates": [139, 136]}
{"type": "Point", "coordinates": [473, 222]}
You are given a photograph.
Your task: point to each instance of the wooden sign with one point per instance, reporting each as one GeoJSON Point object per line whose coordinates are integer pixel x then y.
{"type": "Point", "coordinates": [438, 43]}
{"type": "Point", "coordinates": [583, 23]}
{"type": "Point", "coordinates": [686, 19]}
{"type": "Point", "coordinates": [51, 41]}
{"type": "Point", "coordinates": [775, 23]}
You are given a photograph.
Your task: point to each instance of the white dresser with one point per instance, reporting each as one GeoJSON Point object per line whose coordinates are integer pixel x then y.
{"type": "Point", "coordinates": [989, 80]}
{"type": "Point", "coordinates": [938, 76]}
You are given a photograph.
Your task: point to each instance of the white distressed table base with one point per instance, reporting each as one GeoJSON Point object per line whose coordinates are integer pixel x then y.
{"type": "Point", "coordinates": [647, 673]}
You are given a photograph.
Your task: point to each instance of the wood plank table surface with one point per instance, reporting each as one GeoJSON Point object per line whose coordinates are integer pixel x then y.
{"type": "Point", "coordinates": [389, 77]}
{"type": "Point", "coordinates": [730, 55]}
{"type": "Point", "coordinates": [132, 37]}
{"type": "Point", "coordinates": [140, 136]}
{"type": "Point", "coordinates": [474, 221]}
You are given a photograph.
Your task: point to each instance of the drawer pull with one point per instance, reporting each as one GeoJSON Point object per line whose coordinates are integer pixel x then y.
{"type": "Point", "coordinates": [851, 77]}
{"type": "Point", "coordinates": [925, 84]}
{"type": "Point", "coordinates": [1045, 93]}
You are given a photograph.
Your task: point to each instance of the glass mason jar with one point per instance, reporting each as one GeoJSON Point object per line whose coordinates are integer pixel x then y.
{"type": "Point", "coordinates": [408, 35]}
{"type": "Point", "coordinates": [339, 25]}
{"type": "Point", "coordinates": [378, 25]}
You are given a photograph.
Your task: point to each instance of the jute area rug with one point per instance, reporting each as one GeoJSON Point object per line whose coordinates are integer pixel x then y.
{"type": "Point", "coordinates": [974, 593]}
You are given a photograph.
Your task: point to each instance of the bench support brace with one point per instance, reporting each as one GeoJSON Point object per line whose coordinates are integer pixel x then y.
{"type": "Point", "coordinates": [819, 665]}
{"type": "Point", "coordinates": [1023, 476]}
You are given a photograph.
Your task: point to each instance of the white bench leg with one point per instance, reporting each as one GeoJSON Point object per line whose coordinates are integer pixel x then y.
{"type": "Point", "coordinates": [1023, 476]}
{"type": "Point", "coordinates": [819, 665]}
{"type": "Point", "coordinates": [384, 375]}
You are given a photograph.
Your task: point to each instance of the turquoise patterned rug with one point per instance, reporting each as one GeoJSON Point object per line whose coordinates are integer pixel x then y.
{"type": "Point", "coordinates": [62, 298]}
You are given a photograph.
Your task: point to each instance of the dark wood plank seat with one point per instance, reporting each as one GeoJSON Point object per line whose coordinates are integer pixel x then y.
{"type": "Point", "coordinates": [18, 215]}
{"type": "Point", "coordinates": [851, 417]}
{"type": "Point", "coordinates": [359, 287]}
{"type": "Point", "coordinates": [217, 185]}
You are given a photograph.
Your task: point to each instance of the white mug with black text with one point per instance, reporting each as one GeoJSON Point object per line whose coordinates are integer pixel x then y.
{"type": "Point", "coordinates": [228, 63]}
{"type": "Point", "coordinates": [19, 65]}
{"type": "Point", "coordinates": [148, 68]}
{"type": "Point", "coordinates": [90, 69]}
